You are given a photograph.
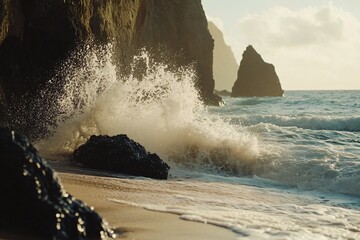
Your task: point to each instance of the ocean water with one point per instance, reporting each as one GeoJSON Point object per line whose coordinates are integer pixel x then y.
{"type": "Point", "coordinates": [265, 168]}
{"type": "Point", "coordinates": [315, 136]}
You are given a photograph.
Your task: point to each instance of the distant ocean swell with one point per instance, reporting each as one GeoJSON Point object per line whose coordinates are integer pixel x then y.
{"type": "Point", "coordinates": [160, 108]}
{"type": "Point", "coordinates": [350, 123]}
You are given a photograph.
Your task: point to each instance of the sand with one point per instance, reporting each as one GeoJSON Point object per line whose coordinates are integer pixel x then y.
{"type": "Point", "coordinates": [133, 222]}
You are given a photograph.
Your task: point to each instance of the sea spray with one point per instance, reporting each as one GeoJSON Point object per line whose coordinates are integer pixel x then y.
{"type": "Point", "coordinates": [87, 73]}
{"type": "Point", "coordinates": [159, 107]}
{"type": "Point", "coordinates": [313, 133]}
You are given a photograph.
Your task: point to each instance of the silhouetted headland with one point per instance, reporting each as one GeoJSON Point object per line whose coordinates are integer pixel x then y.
{"type": "Point", "coordinates": [225, 66]}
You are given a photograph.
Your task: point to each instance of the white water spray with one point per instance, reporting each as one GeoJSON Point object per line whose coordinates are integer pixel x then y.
{"type": "Point", "coordinates": [161, 110]}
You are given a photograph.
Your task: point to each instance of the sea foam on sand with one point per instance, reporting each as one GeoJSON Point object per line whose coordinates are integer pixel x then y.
{"type": "Point", "coordinates": [249, 211]}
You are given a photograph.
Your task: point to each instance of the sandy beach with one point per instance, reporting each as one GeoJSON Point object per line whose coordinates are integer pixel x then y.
{"type": "Point", "coordinates": [133, 222]}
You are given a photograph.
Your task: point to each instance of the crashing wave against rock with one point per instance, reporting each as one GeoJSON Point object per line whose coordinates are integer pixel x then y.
{"type": "Point", "coordinates": [35, 36]}
{"type": "Point", "coordinates": [121, 154]}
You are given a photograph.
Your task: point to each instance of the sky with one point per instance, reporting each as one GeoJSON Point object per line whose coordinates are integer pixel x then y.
{"type": "Point", "coordinates": [313, 44]}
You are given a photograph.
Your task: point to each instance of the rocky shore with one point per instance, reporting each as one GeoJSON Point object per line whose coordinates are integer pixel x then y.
{"type": "Point", "coordinates": [33, 202]}
{"type": "Point", "coordinates": [37, 36]}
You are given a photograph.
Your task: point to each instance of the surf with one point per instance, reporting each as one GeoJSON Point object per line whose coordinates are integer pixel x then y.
{"type": "Point", "coordinates": [160, 108]}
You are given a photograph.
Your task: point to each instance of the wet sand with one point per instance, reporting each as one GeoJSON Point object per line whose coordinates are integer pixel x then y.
{"type": "Point", "coordinates": [133, 222]}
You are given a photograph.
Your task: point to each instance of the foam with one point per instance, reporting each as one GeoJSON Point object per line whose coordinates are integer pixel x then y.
{"type": "Point", "coordinates": [249, 211]}
{"type": "Point", "coordinates": [313, 122]}
{"type": "Point", "coordinates": [159, 108]}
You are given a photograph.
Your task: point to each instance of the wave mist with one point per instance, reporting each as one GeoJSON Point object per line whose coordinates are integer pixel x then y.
{"type": "Point", "coordinates": [159, 107]}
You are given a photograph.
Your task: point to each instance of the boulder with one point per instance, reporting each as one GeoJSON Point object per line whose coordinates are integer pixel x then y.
{"type": "Point", "coordinates": [32, 201]}
{"type": "Point", "coordinates": [256, 78]}
{"type": "Point", "coordinates": [225, 65]}
{"type": "Point", "coordinates": [120, 154]}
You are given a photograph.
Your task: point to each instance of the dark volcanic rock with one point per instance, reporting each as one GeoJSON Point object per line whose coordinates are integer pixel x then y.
{"type": "Point", "coordinates": [256, 78]}
{"type": "Point", "coordinates": [121, 154]}
{"type": "Point", "coordinates": [32, 202]}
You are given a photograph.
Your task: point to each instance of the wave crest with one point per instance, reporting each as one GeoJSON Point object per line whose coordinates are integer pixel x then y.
{"type": "Point", "coordinates": [159, 107]}
{"type": "Point", "coordinates": [350, 124]}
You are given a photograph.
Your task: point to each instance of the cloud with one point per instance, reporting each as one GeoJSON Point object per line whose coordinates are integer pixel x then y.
{"type": "Point", "coordinates": [284, 27]}
{"type": "Point", "coordinates": [312, 48]}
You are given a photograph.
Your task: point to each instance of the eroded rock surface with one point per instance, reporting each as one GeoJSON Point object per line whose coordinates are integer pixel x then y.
{"type": "Point", "coordinates": [32, 201]}
{"type": "Point", "coordinates": [121, 154]}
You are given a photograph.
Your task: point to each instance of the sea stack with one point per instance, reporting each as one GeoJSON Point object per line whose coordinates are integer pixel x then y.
{"type": "Point", "coordinates": [225, 65]}
{"type": "Point", "coordinates": [256, 78]}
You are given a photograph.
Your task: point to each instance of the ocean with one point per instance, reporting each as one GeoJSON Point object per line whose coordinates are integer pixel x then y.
{"type": "Point", "coordinates": [266, 168]}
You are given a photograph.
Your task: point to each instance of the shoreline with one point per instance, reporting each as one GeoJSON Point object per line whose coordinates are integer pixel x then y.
{"type": "Point", "coordinates": [131, 222]}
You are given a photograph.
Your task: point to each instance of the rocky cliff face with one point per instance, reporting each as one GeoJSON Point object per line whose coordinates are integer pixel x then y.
{"type": "Point", "coordinates": [36, 35]}
{"type": "Point", "coordinates": [256, 77]}
{"type": "Point", "coordinates": [225, 66]}
{"type": "Point", "coordinates": [180, 27]}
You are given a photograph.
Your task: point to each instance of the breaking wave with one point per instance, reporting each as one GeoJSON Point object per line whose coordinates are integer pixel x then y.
{"type": "Point", "coordinates": [158, 107]}
{"type": "Point", "coordinates": [350, 123]}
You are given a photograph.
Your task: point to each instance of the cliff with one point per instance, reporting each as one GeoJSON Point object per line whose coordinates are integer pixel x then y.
{"type": "Point", "coordinates": [181, 27]}
{"type": "Point", "coordinates": [225, 66]}
{"type": "Point", "coordinates": [37, 35]}
{"type": "Point", "coordinates": [256, 78]}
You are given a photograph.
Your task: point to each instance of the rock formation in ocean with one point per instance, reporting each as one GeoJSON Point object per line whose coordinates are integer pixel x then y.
{"type": "Point", "coordinates": [32, 201]}
{"type": "Point", "coordinates": [256, 78]}
{"type": "Point", "coordinates": [37, 35]}
{"type": "Point", "coordinates": [225, 66]}
{"type": "Point", "coordinates": [121, 154]}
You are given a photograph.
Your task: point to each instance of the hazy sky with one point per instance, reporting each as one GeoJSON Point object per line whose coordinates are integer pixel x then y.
{"type": "Point", "coordinates": [314, 44]}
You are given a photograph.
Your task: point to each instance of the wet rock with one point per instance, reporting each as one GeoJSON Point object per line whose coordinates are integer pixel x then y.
{"type": "Point", "coordinates": [120, 154]}
{"type": "Point", "coordinates": [214, 100]}
{"type": "Point", "coordinates": [36, 36]}
{"type": "Point", "coordinates": [32, 201]}
{"type": "Point", "coordinates": [256, 78]}
{"type": "Point", "coordinates": [179, 26]}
